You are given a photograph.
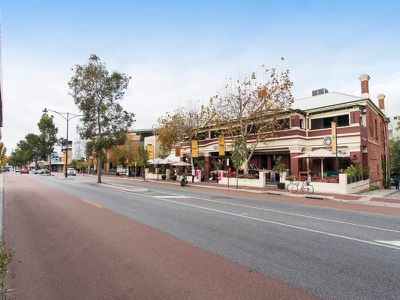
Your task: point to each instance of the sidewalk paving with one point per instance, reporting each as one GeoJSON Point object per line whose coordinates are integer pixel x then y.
{"type": "Point", "coordinates": [388, 198]}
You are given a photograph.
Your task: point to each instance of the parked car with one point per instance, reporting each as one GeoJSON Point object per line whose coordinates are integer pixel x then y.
{"type": "Point", "coordinates": [17, 170]}
{"type": "Point", "coordinates": [71, 171]}
{"type": "Point", "coordinates": [24, 171]}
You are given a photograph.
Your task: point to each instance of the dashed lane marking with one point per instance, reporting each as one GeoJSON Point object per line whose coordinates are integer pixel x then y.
{"type": "Point", "coordinates": [394, 243]}
{"type": "Point", "coordinates": [172, 197]}
{"type": "Point", "coordinates": [93, 203]}
{"type": "Point", "coordinates": [279, 223]}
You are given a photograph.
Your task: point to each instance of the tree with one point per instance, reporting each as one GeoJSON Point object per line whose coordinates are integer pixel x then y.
{"type": "Point", "coordinates": [394, 156]}
{"type": "Point", "coordinates": [47, 137]}
{"type": "Point", "coordinates": [252, 110]}
{"type": "Point", "coordinates": [34, 148]}
{"type": "Point", "coordinates": [25, 150]}
{"type": "Point", "coordinates": [239, 153]}
{"type": "Point", "coordinates": [141, 157]}
{"type": "Point", "coordinates": [3, 157]}
{"type": "Point", "coordinates": [184, 124]}
{"type": "Point", "coordinates": [96, 92]}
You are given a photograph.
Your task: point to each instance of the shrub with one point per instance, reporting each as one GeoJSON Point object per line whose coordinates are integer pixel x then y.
{"type": "Point", "coordinates": [291, 178]}
{"type": "Point", "coordinates": [6, 255]}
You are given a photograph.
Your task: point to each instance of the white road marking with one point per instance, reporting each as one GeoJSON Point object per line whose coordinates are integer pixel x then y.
{"type": "Point", "coordinates": [297, 215]}
{"type": "Point", "coordinates": [275, 223]}
{"type": "Point", "coordinates": [395, 243]}
{"type": "Point", "coordinates": [172, 197]}
{"type": "Point", "coordinates": [277, 211]}
{"type": "Point", "coordinates": [93, 203]}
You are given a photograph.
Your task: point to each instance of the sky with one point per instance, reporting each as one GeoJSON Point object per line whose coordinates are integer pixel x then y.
{"type": "Point", "coordinates": [182, 51]}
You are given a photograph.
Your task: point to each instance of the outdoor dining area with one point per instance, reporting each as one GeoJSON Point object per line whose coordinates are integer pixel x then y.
{"type": "Point", "coordinates": [322, 165]}
{"type": "Point", "coordinates": [168, 168]}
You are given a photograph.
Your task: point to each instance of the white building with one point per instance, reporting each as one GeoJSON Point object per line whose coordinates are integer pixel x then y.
{"type": "Point", "coordinates": [394, 125]}
{"type": "Point", "coordinates": [79, 149]}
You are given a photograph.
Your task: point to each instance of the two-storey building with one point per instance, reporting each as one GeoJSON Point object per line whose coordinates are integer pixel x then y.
{"type": "Point", "coordinates": [362, 136]}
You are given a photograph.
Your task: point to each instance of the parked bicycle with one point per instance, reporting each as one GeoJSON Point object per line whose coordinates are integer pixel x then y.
{"type": "Point", "coordinates": [301, 186]}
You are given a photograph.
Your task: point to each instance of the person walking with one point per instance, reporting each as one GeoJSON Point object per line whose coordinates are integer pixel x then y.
{"type": "Point", "coordinates": [193, 174]}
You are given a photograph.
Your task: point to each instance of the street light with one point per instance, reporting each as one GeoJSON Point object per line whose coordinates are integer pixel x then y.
{"type": "Point", "coordinates": [67, 117]}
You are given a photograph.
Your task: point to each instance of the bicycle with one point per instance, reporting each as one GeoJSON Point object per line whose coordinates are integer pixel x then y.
{"type": "Point", "coordinates": [300, 186]}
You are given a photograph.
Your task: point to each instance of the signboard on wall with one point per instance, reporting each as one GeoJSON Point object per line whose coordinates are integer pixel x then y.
{"type": "Point", "coordinates": [221, 145]}
{"type": "Point", "coordinates": [195, 149]}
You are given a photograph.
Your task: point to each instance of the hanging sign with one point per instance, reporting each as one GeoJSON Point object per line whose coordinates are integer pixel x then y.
{"type": "Point", "coordinates": [334, 137]}
{"type": "Point", "coordinates": [195, 149]}
{"type": "Point", "coordinates": [150, 154]}
{"type": "Point", "coordinates": [177, 151]}
{"type": "Point", "coordinates": [221, 145]}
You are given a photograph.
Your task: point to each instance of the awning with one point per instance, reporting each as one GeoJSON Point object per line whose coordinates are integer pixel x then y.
{"type": "Point", "coordinates": [322, 153]}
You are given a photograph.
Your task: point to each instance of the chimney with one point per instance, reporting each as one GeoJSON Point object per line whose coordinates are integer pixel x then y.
{"type": "Point", "coordinates": [381, 102]}
{"type": "Point", "coordinates": [364, 78]}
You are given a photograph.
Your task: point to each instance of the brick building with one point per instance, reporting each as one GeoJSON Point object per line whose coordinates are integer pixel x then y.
{"type": "Point", "coordinates": [362, 135]}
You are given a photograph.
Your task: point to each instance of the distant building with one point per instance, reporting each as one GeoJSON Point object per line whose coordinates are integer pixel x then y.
{"type": "Point", "coordinates": [394, 127]}
{"type": "Point", "coordinates": [79, 149]}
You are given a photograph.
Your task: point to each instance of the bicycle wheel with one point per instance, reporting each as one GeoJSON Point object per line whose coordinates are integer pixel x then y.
{"type": "Point", "coordinates": [292, 187]}
{"type": "Point", "coordinates": [307, 188]}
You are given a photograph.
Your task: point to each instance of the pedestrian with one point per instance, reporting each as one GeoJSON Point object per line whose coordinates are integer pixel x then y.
{"type": "Point", "coordinates": [193, 174]}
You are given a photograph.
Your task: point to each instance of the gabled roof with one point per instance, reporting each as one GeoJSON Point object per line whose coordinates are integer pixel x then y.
{"type": "Point", "coordinates": [332, 98]}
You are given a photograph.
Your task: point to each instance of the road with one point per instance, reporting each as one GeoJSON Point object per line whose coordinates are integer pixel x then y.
{"type": "Point", "coordinates": [132, 239]}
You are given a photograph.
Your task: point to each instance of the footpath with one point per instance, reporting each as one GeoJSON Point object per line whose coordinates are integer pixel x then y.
{"type": "Point", "coordinates": [379, 198]}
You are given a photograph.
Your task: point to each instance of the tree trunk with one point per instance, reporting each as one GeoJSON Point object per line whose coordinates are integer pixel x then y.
{"type": "Point", "coordinates": [99, 170]}
{"type": "Point", "coordinates": [246, 166]}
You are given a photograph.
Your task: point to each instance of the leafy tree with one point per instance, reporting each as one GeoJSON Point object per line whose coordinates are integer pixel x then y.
{"type": "Point", "coordinates": [239, 152]}
{"type": "Point", "coordinates": [79, 164]}
{"type": "Point", "coordinates": [141, 158]}
{"type": "Point", "coordinates": [47, 137]}
{"type": "Point", "coordinates": [3, 157]}
{"type": "Point", "coordinates": [22, 154]}
{"type": "Point", "coordinates": [251, 109]}
{"type": "Point", "coordinates": [96, 92]}
{"type": "Point", "coordinates": [34, 147]}
{"type": "Point", "coordinates": [184, 124]}
{"type": "Point", "coordinates": [394, 156]}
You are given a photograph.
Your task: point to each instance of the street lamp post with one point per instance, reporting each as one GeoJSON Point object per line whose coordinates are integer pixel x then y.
{"type": "Point", "coordinates": [67, 117]}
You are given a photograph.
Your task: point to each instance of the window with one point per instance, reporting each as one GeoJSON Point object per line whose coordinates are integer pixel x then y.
{"type": "Point", "coordinates": [324, 123]}
{"type": "Point", "coordinates": [302, 123]}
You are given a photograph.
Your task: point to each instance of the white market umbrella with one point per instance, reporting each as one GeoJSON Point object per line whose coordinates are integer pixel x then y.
{"type": "Point", "coordinates": [181, 164]}
{"type": "Point", "coordinates": [156, 161]}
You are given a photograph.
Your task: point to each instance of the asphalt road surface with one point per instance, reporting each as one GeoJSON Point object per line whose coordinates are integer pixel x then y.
{"type": "Point", "coordinates": [130, 239]}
